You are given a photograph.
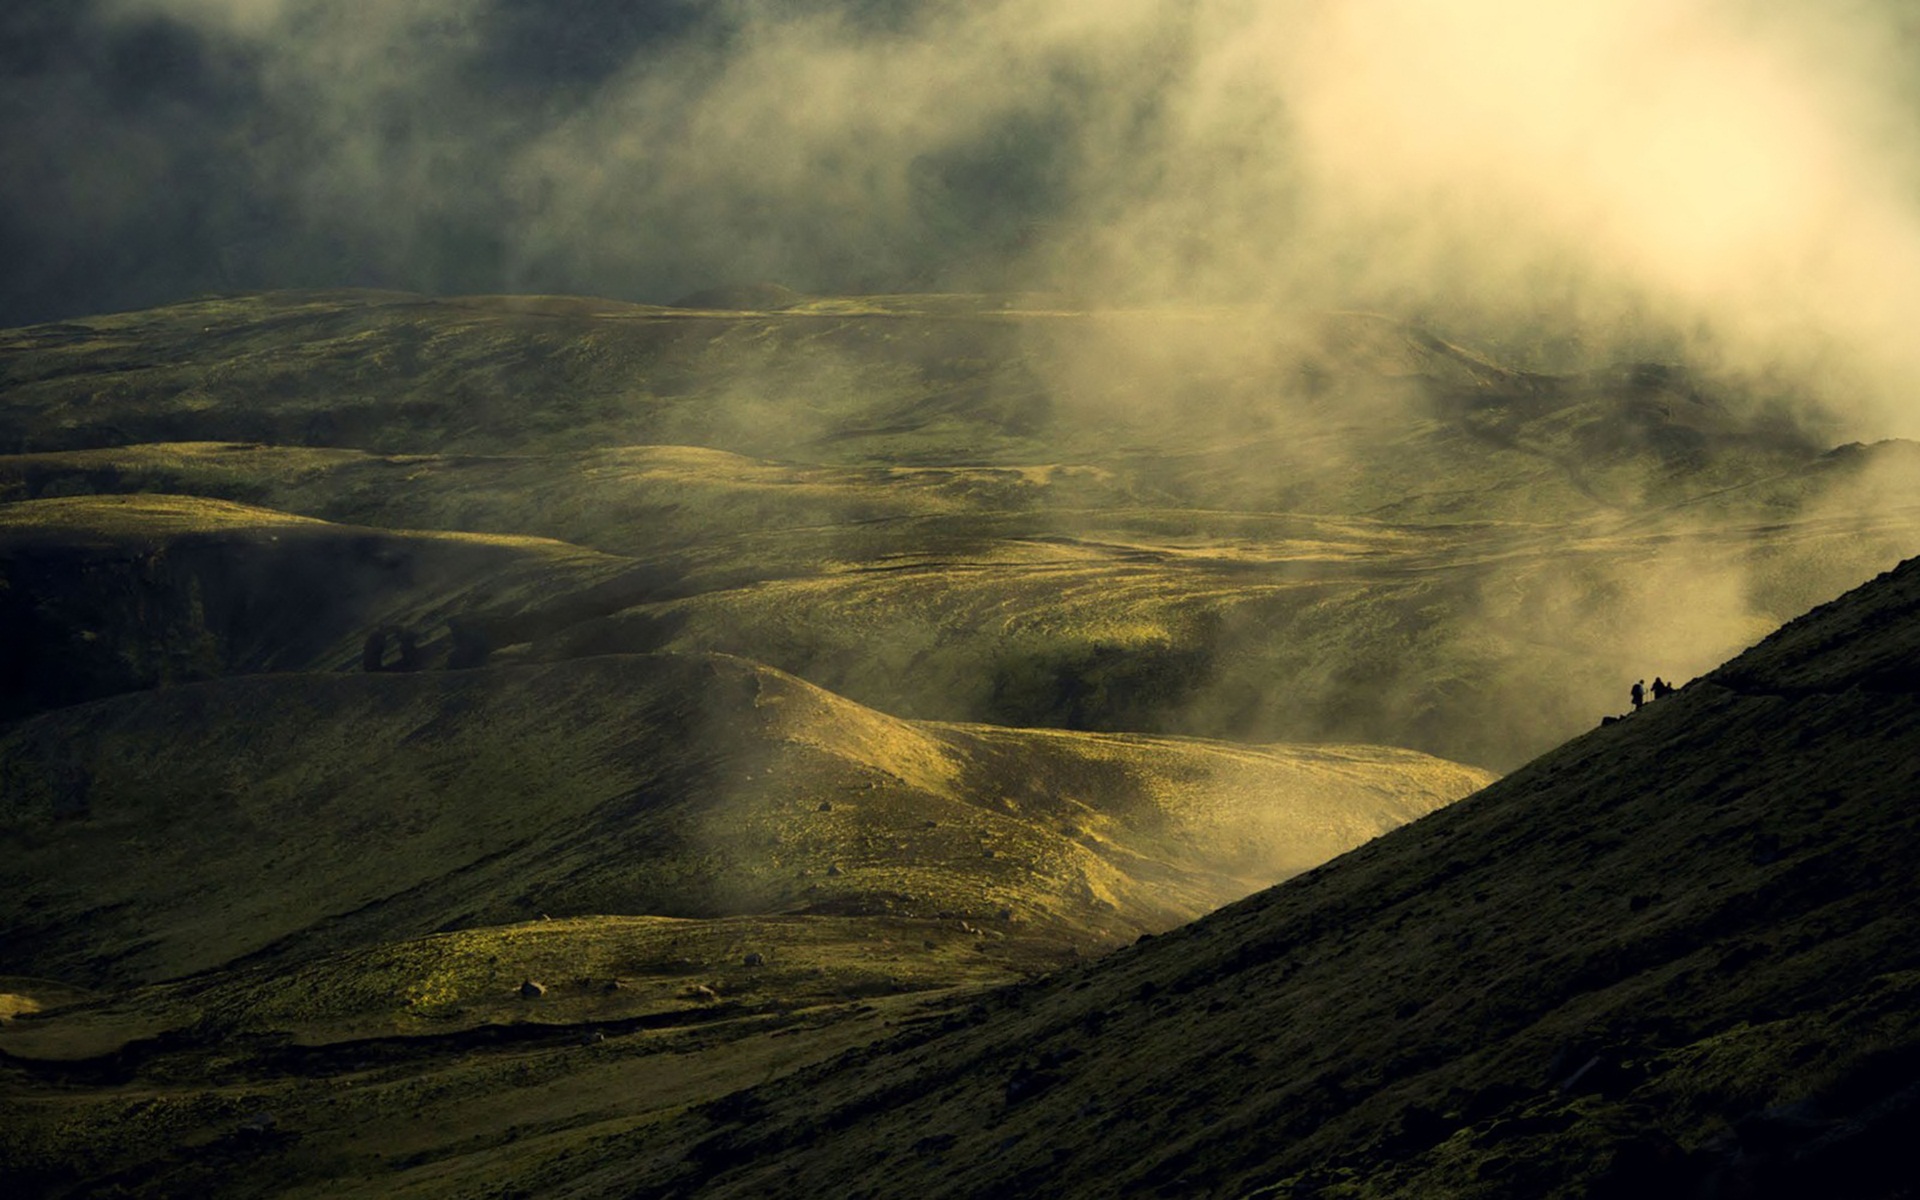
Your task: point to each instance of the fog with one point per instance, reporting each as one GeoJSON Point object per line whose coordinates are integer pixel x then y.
{"type": "Point", "coordinates": [1733, 182]}
{"type": "Point", "coordinates": [1733, 185]}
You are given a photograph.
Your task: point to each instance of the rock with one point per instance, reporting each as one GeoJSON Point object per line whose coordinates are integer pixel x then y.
{"type": "Point", "coordinates": [529, 990]}
{"type": "Point", "coordinates": [756, 959]}
{"type": "Point", "coordinates": [935, 1143]}
{"type": "Point", "coordinates": [1026, 1083]}
{"type": "Point", "coordinates": [825, 806]}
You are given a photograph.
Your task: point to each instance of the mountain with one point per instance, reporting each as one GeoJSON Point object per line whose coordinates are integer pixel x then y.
{"type": "Point", "coordinates": [1675, 957]}
{"type": "Point", "coordinates": [550, 739]}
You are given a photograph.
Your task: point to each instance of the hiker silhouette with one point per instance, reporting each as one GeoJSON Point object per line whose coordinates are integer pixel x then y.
{"type": "Point", "coordinates": [1639, 694]}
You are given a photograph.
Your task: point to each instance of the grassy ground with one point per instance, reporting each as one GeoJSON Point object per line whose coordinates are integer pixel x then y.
{"type": "Point", "coordinates": [1673, 957]}
{"type": "Point", "coordinates": [771, 603]}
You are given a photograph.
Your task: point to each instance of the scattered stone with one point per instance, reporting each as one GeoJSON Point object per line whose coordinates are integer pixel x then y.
{"type": "Point", "coordinates": [469, 645]}
{"type": "Point", "coordinates": [701, 991]}
{"type": "Point", "coordinates": [72, 785]}
{"type": "Point", "coordinates": [833, 869]}
{"type": "Point", "coordinates": [756, 959]}
{"type": "Point", "coordinates": [1026, 1083]}
{"type": "Point", "coordinates": [529, 990]}
{"type": "Point", "coordinates": [611, 985]}
{"type": "Point", "coordinates": [825, 806]}
{"type": "Point", "coordinates": [936, 1143]}
{"type": "Point", "coordinates": [1005, 914]}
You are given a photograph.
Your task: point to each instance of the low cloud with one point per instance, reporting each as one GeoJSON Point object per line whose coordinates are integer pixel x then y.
{"type": "Point", "coordinates": [1731, 181]}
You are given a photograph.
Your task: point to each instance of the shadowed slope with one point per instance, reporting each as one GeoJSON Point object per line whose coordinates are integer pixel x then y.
{"type": "Point", "coordinates": [104, 594]}
{"type": "Point", "coordinates": [1678, 952]}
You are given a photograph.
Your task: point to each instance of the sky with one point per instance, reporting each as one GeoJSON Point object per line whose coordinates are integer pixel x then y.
{"type": "Point", "coordinates": [1734, 182]}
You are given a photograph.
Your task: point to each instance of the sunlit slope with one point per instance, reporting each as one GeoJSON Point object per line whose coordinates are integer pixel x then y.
{"type": "Point", "coordinates": [1479, 643]}
{"type": "Point", "coordinates": [103, 594]}
{"type": "Point", "coordinates": [1677, 956]}
{"type": "Point", "coordinates": [698, 503]}
{"type": "Point", "coordinates": [1042, 596]}
{"type": "Point", "coordinates": [177, 831]}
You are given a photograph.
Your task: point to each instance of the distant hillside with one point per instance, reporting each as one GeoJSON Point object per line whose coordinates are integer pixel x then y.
{"type": "Point", "coordinates": [1222, 523]}
{"type": "Point", "coordinates": [1675, 957]}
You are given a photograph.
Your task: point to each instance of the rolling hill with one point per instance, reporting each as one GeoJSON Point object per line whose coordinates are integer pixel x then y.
{"type": "Point", "coordinates": [632, 750]}
{"type": "Point", "coordinates": [1674, 957]}
{"type": "Point", "coordinates": [1007, 509]}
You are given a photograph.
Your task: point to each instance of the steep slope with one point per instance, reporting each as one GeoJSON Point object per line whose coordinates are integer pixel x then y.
{"type": "Point", "coordinates": [1676, 956]}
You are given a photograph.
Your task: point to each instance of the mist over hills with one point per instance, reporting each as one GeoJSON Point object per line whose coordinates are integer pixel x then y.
{"type": "Point", "coordinates": [955, 508]}
{"type": "Point", "coordinates": [1508, 177]}
{"type": "Point", "coordinates": [650, 598]}
{"type": "Point", "coordinates": [550, 716]}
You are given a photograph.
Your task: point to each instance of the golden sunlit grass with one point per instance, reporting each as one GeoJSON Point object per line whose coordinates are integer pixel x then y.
{"type": "Point", "coordinates": [923, 501]}
{"type": "Point", "coordinates": [693, 786]}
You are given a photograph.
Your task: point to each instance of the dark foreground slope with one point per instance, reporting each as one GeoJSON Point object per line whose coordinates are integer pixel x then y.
{"type": "Point", "coordinates": [1677, 956]}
